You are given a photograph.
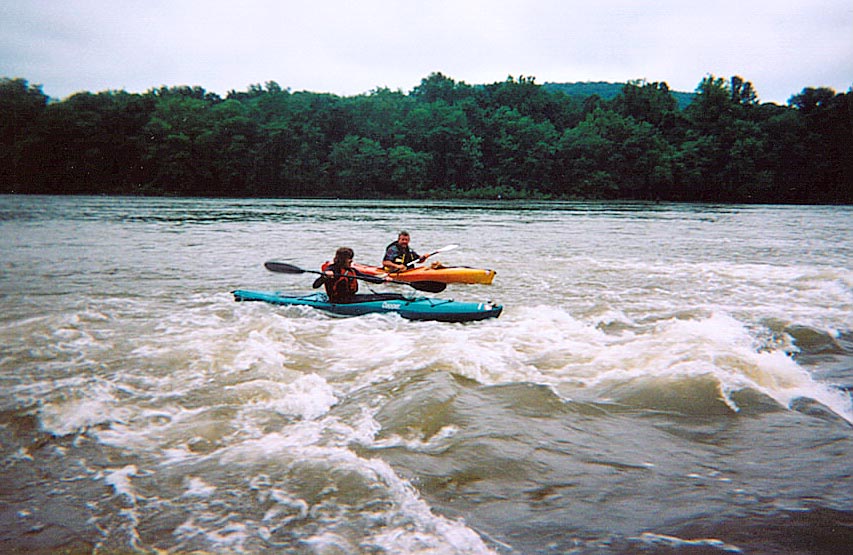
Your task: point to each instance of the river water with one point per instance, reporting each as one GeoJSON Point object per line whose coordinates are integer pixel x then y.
{"type": "Point", "coordinates": [664, 379]}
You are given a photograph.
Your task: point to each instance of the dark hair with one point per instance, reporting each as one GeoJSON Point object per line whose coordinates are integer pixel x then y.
{"type": "Point", "coordinates": [403, 232]}
{"type": "Point", "coordinates": [343, 253]}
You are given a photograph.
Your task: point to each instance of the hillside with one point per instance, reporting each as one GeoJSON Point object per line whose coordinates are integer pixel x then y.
{"type": "Point", "coordinates": [607, 91]}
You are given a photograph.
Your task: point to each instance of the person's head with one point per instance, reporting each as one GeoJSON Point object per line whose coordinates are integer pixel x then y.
{"type": "Point", "coordinates": [343, 257]}
{"type": "Point", "coordinates": [403, 239]}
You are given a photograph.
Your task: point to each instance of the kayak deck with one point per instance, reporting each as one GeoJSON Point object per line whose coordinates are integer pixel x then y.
{"type": "Point", "coordinates": [442, 274]}
{"type": "Point", "coordinates": [411, 308]}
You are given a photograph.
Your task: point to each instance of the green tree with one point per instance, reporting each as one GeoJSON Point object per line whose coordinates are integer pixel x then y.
{"type": "Point", "coordinates": [437, 87]}
{"type": "Point", "coordinates": [358, 168]}
{"type": "Point", "coordinates": [177, 136]}
{"type": "Point", "coordinates": [442, 131]}
{"type": "Point", "coordinates": [742, 92]}
{"type": "Point", "coordinates": [786, 153]}
{"type": "Point", "coordinates": [228, 147]}
{"type": "Point", "coordinates": [811, 100]}
{"type": "Point", "coordinates": [91, 143]}
{"type": "Point", "coordinates": [529, 99]}
{"type": "Point", "coordinates": [293, 146]}
{"type": "Point", "coordinates": [653, 103]}
{"type": "Point", "coordinates": [643, 101]}
{"type": "Point", "coordinates": [722, 147]}
{"type": "Point", "coordinates": [21, 107]}
{"type": "Point", "coordinates": [518, 151]}
{"type": "Point", "coordinates": [513, 138]}
{"type": "Point", "coordinates": [613, 156]}
{"type": "Point", "coordinates": [828, 138]}
{"type": "Point", "coordinates": [378, 115]}
{"type": "Point", "coordinates": [409, 171]}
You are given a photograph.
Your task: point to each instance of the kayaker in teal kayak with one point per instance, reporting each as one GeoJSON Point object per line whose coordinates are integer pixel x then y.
{"type": "Point", "coordinates": [341, 280]}
{"type": "Point", "coordinates": [398, 254]}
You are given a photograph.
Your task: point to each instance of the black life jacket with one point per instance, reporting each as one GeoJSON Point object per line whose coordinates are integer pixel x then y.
{"type": "Point", "coordinates": [396, 254]}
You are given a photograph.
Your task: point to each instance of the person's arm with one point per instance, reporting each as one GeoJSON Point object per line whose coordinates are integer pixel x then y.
{"type": "Point", "coordinates": [388, 262]}
{"type": "Point", "coordinates": [393, 266]}
{"type": "Point", "coordinates": [321, 280]}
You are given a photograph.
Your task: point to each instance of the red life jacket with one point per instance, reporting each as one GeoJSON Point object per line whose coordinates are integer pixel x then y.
{"type": "Point", "coordinates": [342, 286]}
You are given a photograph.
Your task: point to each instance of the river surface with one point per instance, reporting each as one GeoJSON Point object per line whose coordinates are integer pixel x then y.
{"type": "Point", "coordinates": [664, 379]}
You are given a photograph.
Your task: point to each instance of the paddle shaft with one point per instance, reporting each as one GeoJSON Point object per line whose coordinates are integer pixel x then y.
{"type": "Point", "coordinates": [442, 249]}
{"type": "Point", "coordinates": [284, 268]}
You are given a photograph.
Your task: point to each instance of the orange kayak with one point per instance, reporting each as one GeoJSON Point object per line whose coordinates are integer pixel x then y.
{"type": "Point", "coordinates": [443, 274]}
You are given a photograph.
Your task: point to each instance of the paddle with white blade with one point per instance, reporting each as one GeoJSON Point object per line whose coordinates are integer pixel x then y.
{"type": "Point", "coordinates": [442, 249]}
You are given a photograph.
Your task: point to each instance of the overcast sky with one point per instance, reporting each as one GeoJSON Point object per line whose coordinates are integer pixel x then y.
{"type": "Point", "coordinates": [353, 47]}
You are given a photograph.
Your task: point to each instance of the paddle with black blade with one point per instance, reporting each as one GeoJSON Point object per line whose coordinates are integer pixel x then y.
{"type": "Point", "coordinates": [285, 268]}
{"type": "Point", "coordinates": [442, 249]}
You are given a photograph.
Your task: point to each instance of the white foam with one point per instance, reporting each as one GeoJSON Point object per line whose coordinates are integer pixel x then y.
{"type": "Point", "coordinates": [547, 345]}
{"type": "Point", "coordinates": [286, 509]}
{"type": "Point", "coordinates": [720, 347]}
{"type": "Point", "coordinates": [260, 347]}
{"type": "Point", "coordinates": [168, 429]}
{"type": "Point", "coordinates": [413, 527]}
{"type": "Point", "coordinates": [331, 542]}
{"type": "Point", "coordinates": [64, 417]}
{"type": "Point", "coordinates": [196, 487]}
{"type": "Point", "coordinates": [436, 443]}
{"type": "Point", "coordinates": [672, 542]}
{"type": "Point", "coordinates": [119, 479]}
{"type": "Point", "coordinates": [299, 439]}
{"type": "Point", "coordinates": [427, 533]}
{"type": "Point", "coordinates": [309, 397]}
{"type": "Point", "coordinates": [232, 535]}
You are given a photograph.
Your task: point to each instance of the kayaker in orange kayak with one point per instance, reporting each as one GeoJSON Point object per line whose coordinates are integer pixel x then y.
{"type": "Point", "coordinates": [398, 254]}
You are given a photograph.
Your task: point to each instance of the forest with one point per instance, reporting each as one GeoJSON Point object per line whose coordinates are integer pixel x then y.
{"type": "Point", "coordinates": [514, 139]}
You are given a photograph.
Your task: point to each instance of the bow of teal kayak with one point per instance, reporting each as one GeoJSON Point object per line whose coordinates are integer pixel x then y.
{"type": "Point", "coordinates": [411, 308]}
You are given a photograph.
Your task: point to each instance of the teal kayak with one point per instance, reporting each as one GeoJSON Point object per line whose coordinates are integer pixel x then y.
{"type": "Point", "coordinates": [412, 308]}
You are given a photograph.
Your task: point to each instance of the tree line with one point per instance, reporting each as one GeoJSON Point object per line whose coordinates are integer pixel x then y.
{"type": "Point", "coordinates": [444, 139]}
